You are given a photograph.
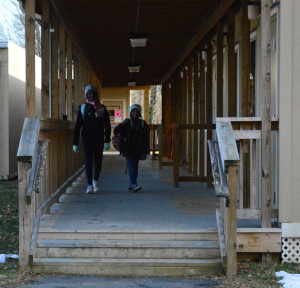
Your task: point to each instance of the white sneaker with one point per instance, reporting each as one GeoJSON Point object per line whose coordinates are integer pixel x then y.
{"type": "Point", "coordinates": [95, 185]}
{"type": "Point", "coordinates": [89, 189]}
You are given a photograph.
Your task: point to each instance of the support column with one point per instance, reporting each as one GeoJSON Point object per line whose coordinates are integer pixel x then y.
{"type": "Point", "coordinates": [69, 76]}
{"type": "Point", "coordinates": [146, 105]}
{"type": "Point", "coordinates": [265, 92]}
{"type": "Point", "coordinates": [209, 112]}
{"type": "Point", "coordinates": [232, 101]}
{"type": "Point", "coordinates": [30, 57]}
{"type": "Point", "coordinates": [45, 59]}
{"type": "Point", "coordinates": [62, 71]}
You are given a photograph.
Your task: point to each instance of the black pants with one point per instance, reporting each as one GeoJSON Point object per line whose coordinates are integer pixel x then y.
{"type": "Point", "coordinates": [93, 153]}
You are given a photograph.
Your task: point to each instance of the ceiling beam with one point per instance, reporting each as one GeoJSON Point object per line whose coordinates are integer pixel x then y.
{"type": "Point", "coordinates": [200, 34]}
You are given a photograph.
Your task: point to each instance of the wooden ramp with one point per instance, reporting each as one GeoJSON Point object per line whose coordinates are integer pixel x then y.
{"type": "Point", "coordinates": [160, 231]}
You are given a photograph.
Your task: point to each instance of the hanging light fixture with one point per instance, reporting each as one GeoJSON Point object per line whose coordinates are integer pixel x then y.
{"type": "Point", "coordinates": [134, 68]}
{"type": "Point", "coordinates": [131, 83]}
{"type": "Point", "coordinates": [138, 42]}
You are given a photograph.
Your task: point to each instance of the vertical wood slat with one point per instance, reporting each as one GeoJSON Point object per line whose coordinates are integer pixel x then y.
{"type": "Point", "coordinates": [220, 69]}
{"type": "Point", "coordinates": [62, 71]}
{"type": "Point", "coordinates": [232, 101]}
{"type": "Point", "coordinates": [69, 76]}
{"type": "Point", "coordinates": [76, 83]}
{"type": "Point", "coordinates": [209, 112]}
{"type": "Point", "coordinates": [54, 66]}
{"type": "Point", "coordinates": [244, 56]}
{"type": "Point", "coordinates": [25, 219]}
{"type": "Point", "coordinates": [160, 146]}
{"type": "Point", "coordinates": [146, 105]}
{"type": "Point", "coordinates": [265, 92]}
{"type": "Point", "coordinates": [30, 57]}
{"type": "Point", "coordinates": [196, 113]}
{"type": "Point", "coordinates": [184, 115]}
{"type": "Point", "coordinates": [231, 228]}
{"type": "Point", "coordinates": [45, 59]}
{"type": "Point", "coordinates": [175, 159]}
{"type": "Point", "coordinates": [245, 60]}
{"type": "Point", "coordinates": [202, 117]}
{"type": "Point", "coordinates": [190, 115]}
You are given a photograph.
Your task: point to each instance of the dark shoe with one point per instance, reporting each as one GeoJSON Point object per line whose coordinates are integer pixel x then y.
{"type": "Point", "coordinates": [136, 188]}
{"type": "Point", "coordinates": [129, 189]}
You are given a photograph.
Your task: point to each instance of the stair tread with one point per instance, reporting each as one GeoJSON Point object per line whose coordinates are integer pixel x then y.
{"type": "Point", "coordinates": [44, 229]}
{"type": "Point", "coordinates": [92, 261]}
{"type": "Point", "coordinates": [127, 243]}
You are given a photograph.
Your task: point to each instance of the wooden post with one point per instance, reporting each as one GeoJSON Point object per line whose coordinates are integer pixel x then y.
{"type": "Point", "coordinates": [202, 117]}
{"type": "Point", "coordinates": [160, 145]}
{"type": "Point", "coordinates": [69, 76]}
{"type": "Point", "coordinates": [209, 113]}
{"type": "Point", "coordinates": [45, 59]}
{"type": "Point", "coordinates": [265, 92]}
{"type": "Point", "coordinates": [26, 150]}
{"type": "Point", "coordinates": [196, 112]}
{"type": "Point", "coordinates": [175, 159]}
{"type": "Point", "coordinates": [220, 69]}
{"type": "Point", "coordinates": [231, 236]}
{"type": "Point", "coordinates": [190, 115]}
{"type": "Point", "coordinates": [30, 57]}
{"type": "Point", "coordinates": [146, 105]}
{"type": "Point", "coordinates": [62, 71]}
{"type": "Point", "coordinates": [232, 101]}
{"type": "Point", "coordinates": [245, 98]}
{"type": "Point", "coordinates": [54, 66]}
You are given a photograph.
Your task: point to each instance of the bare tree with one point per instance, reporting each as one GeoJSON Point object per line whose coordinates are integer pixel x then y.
{"type": "Point", "coordinates": [13, 24]}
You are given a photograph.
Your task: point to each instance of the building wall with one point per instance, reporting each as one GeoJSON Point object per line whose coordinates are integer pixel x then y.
{"type": "Point", "coordinates": [289, 115]}
{"type": "Point", "coordinates": [13, 97]}
{"type": "Point", "coordinates": [4, 114]}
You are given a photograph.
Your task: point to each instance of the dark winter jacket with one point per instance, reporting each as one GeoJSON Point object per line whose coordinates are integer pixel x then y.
{"type": "Point", "coordinates": [90, 127]}
{"type": "Point", "coordinates": [136, 139]}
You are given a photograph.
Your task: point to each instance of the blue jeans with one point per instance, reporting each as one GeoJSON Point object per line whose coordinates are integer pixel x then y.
{"type": "Point", "coordinates": [133, 169]}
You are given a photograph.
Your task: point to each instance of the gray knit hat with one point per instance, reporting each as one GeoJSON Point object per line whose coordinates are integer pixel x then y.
{"type": "Point", "coordinates": [88, 88]}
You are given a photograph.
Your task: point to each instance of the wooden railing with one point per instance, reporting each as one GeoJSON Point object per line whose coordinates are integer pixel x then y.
{"type": "Point", "coordinates": [45, 161]}
{"type": "Point", "coordinates": [240, 190]}
{"type": "Point", "coordinates": [190, 150]}
{"type": "Point", "coordinates": [225, 160]}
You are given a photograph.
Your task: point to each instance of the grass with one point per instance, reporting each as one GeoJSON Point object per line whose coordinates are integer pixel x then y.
{"type": "Point", "coordinates": [256, 275]}
{"type": "Point", "coordinates": [9, 223]}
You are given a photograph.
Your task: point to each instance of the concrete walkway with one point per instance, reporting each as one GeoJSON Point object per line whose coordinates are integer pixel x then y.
{"type": "Point", "coordinates": [157, 207]}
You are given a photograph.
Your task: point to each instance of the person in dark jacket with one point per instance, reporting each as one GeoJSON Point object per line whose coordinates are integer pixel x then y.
{"type": "Point", "coordinates": [135, 145]}
{"type": "Point", "coordinates": [93, 125]}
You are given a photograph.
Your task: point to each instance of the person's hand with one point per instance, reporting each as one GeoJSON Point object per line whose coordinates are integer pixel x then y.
{"type": "Point", "coordinates": [106, 146]}
{"type": "Point", "coordinates": [76, 149]}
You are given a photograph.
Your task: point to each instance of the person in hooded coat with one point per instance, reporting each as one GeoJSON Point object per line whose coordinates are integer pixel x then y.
{"type": "Point", "coordinates": [135, 143]}
{"type": "Point", "coordinates": [94, 128]}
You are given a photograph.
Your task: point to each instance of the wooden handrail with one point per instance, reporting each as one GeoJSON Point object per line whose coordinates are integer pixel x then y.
{"type": "Point", "coordinates": [220, 180]}
{"type": "Point", "coordinates": [227, 145]}
{"type": "Point", "coordinates": [28, 140]}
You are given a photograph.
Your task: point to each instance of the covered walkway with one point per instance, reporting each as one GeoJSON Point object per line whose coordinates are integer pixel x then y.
{"type": "Point", "coordinates": [157, 207]}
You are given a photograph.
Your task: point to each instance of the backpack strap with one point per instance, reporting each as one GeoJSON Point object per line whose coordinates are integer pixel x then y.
{"type": "Point", "coordinates": [82, 107]}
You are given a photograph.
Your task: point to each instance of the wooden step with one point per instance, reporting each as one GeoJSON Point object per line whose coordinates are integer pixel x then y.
{"type": "Point", "coordinates": [173, 235]}
{"type": "Point", "coordinates": [127, 267]}
{"type": "Point", "coordinates": [128, 249]}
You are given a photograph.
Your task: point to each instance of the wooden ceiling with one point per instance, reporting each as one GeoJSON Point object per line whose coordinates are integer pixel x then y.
{"type": "Point", "coordinates": [104, 28]}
